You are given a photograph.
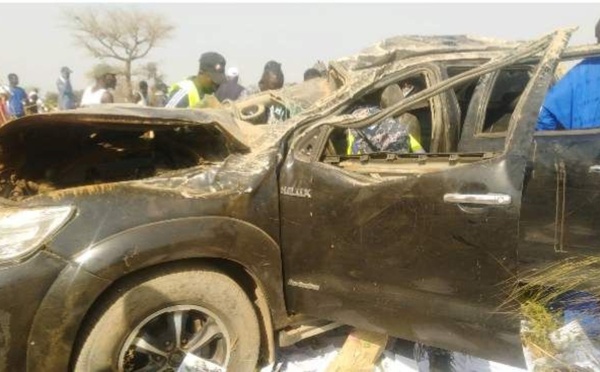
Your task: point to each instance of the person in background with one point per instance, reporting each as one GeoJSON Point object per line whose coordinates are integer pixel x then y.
{"type": "Point", "coordinates": [231, 89]}
{"type": "Point", "coordinates": [66, 98]}
{"type": "Point", "coordinates": [311, 73]}
{"type": "Point", "coordinates": [100, 92]}
{"type": "Point", "coordinates": [31, 107]}
{"type": "Point", "coordinates": [197, 91]}
{"type": "Point", "coordinates": [160, 94]}
{"type": "Point", "coordinates": [141, 96]}
{"type": "Point", "coordinates": [272, 77]}
{"type": "Point", "coordinates": [36, 103]}
{"type": "Point", "coordinates": [574, 101]}
{"type": "Point", "coordinates": [18, 97]}
{"type": "Point", "coordinates": [4, 97]}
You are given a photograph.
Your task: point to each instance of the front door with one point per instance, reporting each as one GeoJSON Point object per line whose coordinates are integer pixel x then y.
{"type": "Point", "coordinates": [416, 246]}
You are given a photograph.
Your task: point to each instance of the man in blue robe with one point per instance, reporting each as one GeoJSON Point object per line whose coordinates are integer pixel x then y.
{"type": "Point", "coordinates": [574, 101]}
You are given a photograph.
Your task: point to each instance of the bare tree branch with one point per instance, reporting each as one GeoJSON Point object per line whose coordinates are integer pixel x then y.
{"type": "Point", "coordinates": [125, 35]}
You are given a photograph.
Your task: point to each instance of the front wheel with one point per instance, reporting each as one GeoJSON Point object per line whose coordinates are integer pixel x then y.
{"type": "Point", "coordinates": [158, 321]}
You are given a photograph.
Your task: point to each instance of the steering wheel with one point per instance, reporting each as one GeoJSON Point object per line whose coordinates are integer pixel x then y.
{"type": "Point", "coordinates": [252, 112]}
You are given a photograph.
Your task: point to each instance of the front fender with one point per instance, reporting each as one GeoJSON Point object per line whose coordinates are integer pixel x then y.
{"type": "Point", "coordinates": [186, 238]}
{"type": "Point", "coordinates": [65, 305]}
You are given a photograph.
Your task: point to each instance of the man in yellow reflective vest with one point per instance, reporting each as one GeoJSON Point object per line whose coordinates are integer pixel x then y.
{"type": "Point", "coordinates": [197, 91]}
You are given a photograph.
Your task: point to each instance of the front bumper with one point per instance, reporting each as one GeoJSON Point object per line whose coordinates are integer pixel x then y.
{"type": "Point", "coordinates": [43, 302]}
{"type": "Point", "coordinates": [22, 289]}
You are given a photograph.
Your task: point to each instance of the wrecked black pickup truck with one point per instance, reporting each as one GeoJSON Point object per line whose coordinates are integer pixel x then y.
{"type": "Point", "coordinates": [134, 237]}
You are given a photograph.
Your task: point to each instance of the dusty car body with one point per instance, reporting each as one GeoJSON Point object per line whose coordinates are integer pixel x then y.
{"type": "Point", "coordinates": [415, 246]}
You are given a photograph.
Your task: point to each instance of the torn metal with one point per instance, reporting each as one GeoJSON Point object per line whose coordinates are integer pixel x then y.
{"type": "Point", "coordinates": [92, 147]}
{"type": "Point", "coordinates": [363, 239]}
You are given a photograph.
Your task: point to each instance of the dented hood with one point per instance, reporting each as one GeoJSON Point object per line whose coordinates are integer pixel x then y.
{"type": "Point", "coordinates": [239, 133]}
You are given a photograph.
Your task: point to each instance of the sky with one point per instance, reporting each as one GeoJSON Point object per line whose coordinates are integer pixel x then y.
{"type": "Point", "coordinates": [36, 42]}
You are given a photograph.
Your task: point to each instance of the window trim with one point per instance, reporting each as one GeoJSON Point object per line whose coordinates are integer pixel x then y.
{"type": "Point", "coordinates": [566, 132]}
{"type": "Point", "coordinates": [481, 114]}
{"type": "Point", "coordinates": [548, 133]}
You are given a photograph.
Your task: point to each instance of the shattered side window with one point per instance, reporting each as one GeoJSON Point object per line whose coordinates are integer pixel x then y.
{"type": "Point", "coordinates": [406, 133]}
{"type": "Point", "coordinates": [501, 83]}
{"type": "Point", "coordinates": [506, 92]}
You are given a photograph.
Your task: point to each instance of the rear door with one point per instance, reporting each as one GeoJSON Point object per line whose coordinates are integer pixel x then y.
{"type": "Point", "coordinates": [561, 199]}
{"type": "Point", "coordinates": [416, 245]}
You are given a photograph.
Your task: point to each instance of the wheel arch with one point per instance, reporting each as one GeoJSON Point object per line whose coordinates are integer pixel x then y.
{"type": "Point", "coordinates": [240, 249]}
{"type": "Point", "coordinates": [245, 279]}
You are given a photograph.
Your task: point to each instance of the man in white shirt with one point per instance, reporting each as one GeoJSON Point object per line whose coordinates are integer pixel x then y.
{"type": "Point", "coordinates": [100, 92]}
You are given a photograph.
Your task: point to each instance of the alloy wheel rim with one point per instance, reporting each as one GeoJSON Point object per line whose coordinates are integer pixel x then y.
{"type": "Point", "coordinates": [165, 338]}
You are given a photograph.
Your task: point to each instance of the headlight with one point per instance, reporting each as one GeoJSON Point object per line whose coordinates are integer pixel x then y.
{"type": "Point", "coordinates": [22, 231]}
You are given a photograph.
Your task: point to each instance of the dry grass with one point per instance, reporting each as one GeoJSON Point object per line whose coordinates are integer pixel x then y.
{"type": "Point", "coordinates": [541, 322]}
{"type": "Point", "coordinates": [535, 292]}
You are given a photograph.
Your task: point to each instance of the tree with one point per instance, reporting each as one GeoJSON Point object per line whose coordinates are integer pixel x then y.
{"type": "Point", "coordinates": [124, 35]}
{"type": "Point", "coordinates": [151, 73]}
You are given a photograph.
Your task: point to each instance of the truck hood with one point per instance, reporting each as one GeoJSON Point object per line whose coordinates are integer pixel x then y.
{"type": "Point", "coordinates": [239, 133]}
{"type": "Point", "coordinates": [108, 144]}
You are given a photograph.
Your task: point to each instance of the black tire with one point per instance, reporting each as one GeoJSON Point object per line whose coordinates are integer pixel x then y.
{"type": "Point", "coordinates": [127, 307]}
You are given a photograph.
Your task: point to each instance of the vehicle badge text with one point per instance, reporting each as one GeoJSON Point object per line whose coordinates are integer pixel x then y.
{"type": "Point", "coordinates": [296, 191]}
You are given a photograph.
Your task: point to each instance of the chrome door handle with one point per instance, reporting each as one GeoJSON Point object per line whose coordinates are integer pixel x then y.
{"type": "Point", "coordinates": [485, 199]}
{"type": "Point", "coordinates": [595, 169]}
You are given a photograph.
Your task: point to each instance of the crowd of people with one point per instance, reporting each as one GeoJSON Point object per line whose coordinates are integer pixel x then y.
{"type": "Point", "coordinates": [212, 85]}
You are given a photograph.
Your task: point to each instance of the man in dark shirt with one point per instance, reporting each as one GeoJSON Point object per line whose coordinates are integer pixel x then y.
{"type": "Point", "coordinates": [231, 89]}
{"type": "Point", "coordinates": [272, 78]}
{"type": "Point", "coordinates": [311, 73]}
{"type": "Point", "coordinates": [141, 96]}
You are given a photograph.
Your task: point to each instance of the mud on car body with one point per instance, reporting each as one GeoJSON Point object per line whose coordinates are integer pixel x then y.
{"type": "Point", "coordinates": [135, 237]}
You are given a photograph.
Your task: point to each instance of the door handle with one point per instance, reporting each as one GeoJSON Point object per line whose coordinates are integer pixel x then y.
{"type": "Point", "coordinates": [483, 199]}
{"type": "Point", "coordinates": [595, 169]}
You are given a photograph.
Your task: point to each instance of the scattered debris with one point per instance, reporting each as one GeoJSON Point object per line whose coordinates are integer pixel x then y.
{"type": "Point", "coordinates": [360, 352]}
{"type": "Point", "coordinates": [430, 359]}
{"type": "Point", "coordinates": [324, 353]}
{"type": "Point", "coordinates": [571, 350]}
{"type": "Point", "coordinates": [561, 315]}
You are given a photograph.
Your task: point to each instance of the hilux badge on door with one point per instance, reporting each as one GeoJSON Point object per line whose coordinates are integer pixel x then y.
{"type": "Point", "coordinates": [296, 191]}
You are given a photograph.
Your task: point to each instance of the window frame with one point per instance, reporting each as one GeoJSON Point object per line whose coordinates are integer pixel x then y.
{"type": "Point", "coordinates": [482, 109]}
{"type": "Point", "coordinates": [431, 74]}
{"type": "Point", "coordinates": [313, 133]}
